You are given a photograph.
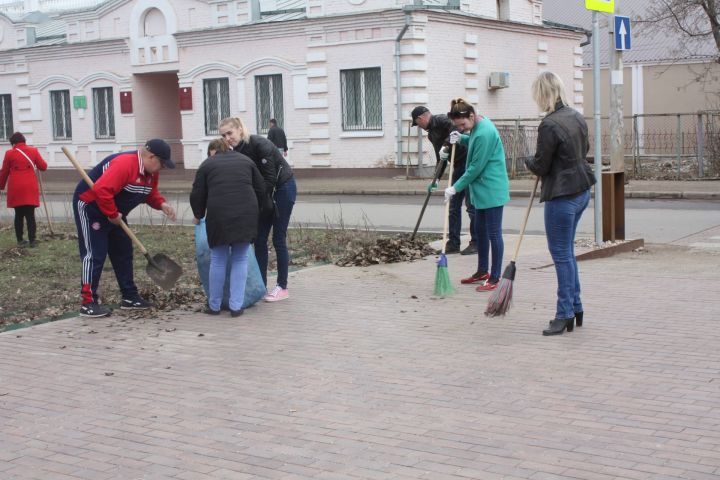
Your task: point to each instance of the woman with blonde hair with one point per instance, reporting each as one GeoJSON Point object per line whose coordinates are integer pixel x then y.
{"type": "Point", "coordinates": [280, 194]}
{"type": "Point", "coordinates": [560, 161]}
{"type": "Point", "coordinates": [486, 179]}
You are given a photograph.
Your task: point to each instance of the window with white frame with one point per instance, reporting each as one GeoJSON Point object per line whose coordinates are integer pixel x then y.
{"type": "Point", "coordinates": [217, 103]}
{"type": "Point", "coordinates": [268, 101]}
{"type": "Point", "coordinates": [6, 118]}
{"type": "Point", "coordinates": [361, 99]}
{"type": "Point", "coordinates": [104, 112]}
{"type": "Point", "coordinates": [60, 112]}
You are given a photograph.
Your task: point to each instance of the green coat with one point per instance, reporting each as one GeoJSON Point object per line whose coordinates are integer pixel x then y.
{"type": "Point", "coordinates": [485, 172]}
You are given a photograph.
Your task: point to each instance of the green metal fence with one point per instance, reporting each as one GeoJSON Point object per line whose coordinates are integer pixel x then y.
{"type": "Point", "coordinates": [656, 146]}
{"type": "Point", "coordinates": [672, 145]}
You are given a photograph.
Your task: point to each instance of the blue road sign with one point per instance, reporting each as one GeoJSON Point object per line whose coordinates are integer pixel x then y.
{"type": "Point", "coordinates": [622, 33]}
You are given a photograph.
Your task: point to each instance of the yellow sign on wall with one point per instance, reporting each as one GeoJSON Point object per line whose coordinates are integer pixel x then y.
{"type": "Point", "coordinates": [600, 5]}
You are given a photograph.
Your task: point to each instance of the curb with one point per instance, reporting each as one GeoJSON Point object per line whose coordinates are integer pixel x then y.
{"type": "Point", "coordinates": [643, 195]}
{"type": "Point", "coordinates": [520, 194]}
{"type": "Point", "coordinates": [605, 252]}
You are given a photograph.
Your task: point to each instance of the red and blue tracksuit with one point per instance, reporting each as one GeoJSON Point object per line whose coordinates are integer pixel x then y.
{"type": "Point", "coordinates": [121, 184]}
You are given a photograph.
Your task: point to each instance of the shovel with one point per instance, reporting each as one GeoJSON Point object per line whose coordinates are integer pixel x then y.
{"type": "Point", "coordinates": [160, 268]}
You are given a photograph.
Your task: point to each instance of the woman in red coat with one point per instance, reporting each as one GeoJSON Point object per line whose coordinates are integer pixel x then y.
{"type": "Point", "coordinates": [18, 171]}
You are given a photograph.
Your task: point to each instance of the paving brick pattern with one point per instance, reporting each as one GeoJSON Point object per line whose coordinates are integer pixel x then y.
{"type": "Point", "coordinates": [362, 374]}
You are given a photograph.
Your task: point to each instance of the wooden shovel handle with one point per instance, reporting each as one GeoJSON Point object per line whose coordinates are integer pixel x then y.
{"type": "Point", "coordinates": [525, 220]}
{"type": "Point", "coordinates": [90, 183]}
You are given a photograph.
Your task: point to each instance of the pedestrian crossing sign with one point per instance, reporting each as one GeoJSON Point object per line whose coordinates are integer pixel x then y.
{"type": "Point", "coordinates": [607, 6]}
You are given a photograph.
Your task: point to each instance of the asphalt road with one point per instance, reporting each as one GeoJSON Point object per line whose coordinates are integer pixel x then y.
{"type": "Point", "coordinates": [657, 221]}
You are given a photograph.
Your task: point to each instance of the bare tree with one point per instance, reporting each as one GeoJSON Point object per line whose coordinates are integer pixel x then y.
{"type": "Point", "coordinates": [697, 21]}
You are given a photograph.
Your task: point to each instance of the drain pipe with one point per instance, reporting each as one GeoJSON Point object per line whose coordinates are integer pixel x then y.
{"type": "Point", "coordinates": [398, 87]}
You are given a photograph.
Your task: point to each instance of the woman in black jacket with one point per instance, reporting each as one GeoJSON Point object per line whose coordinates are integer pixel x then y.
{"type": "Point", "coordinates": [560, 161]}
{"type": "Point", "coordinates": [227, 190]}
{"type": "Point", "coordinates": [280, 194]}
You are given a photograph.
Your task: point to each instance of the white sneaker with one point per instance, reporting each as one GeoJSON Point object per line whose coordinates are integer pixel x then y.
{"type": "Point", "coordinates": [278, 293]}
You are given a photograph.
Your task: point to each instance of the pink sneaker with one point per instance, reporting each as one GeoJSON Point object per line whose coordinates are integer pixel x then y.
{"type": "Point", "coordinates": [278, 293]}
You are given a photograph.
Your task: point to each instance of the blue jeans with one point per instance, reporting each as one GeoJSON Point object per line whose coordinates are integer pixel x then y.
{"type": "Point", "coordinates": [562, 215]}
{"type": "Point", "coordinates": [455, 215]}
{"type": "Point", "coordinates": [488, 231]}
{"type": "Point", "coordinates": [284, 202]}
{"type": "Point", "coordinates": [238, 253]}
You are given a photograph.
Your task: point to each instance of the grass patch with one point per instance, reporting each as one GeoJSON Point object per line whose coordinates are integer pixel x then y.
{"type": "Point", "coordinates": [44, 282]}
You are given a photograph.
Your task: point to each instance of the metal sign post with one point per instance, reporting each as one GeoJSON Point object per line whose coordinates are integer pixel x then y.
{"type": "Point", "coordinates": [598, 128]}
{"type": "Point", "coordinates": [607, 6]}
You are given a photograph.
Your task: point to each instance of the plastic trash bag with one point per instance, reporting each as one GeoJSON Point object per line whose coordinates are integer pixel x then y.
{"type": "Point", "coordinates": [254, 288]}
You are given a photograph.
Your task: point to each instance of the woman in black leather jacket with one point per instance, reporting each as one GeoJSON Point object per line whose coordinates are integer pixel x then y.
{"type": "Point", "coordinates": [281, 192]}
{"type": "Point", "coordinates": [560, 161]}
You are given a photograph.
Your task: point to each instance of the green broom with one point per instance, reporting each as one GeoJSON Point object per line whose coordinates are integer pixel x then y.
{"type": "Point", "coordinates": [443, 286]}
{"type": "Point", "coordinates": [501, 298]}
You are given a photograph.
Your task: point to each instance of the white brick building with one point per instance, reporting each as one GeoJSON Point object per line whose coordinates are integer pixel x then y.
{"type": "Point", "coordinates": [102, 76]}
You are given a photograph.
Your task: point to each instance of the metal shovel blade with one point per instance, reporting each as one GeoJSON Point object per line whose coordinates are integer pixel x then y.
{"type": "Point", "coordinates": [163, 270]}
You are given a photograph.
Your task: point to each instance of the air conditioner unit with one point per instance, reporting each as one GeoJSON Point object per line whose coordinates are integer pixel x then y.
{"type": "Point", "coordinates": [498, 80]}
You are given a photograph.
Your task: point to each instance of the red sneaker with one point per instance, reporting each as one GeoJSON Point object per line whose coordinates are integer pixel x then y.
{"type": "Point", "coordinates": [476, 277]}
{"type": "Point", "coordinates": [486, 287]}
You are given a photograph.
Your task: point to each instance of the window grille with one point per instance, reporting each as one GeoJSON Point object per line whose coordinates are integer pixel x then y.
{"type": "Point", "coordinates": [60, 110]}
{"type": "Point", "coordinates": [361, 99]}
{"type": "Point", "coordinates": [6, 119]}
{"type": "Point", "coordinates": [217, 103]}
{"type": "Point", "coordinates": [268, 101]}
{"type": "Point", "coordinates": [104, 112]}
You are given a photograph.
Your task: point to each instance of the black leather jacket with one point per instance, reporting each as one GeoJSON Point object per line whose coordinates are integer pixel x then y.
{"type": "Point", "coordinates": [272, 165]}
{"type": "Point", "coordinates": [439, 128]}
{"type": "Point", "coordinates": [560, 159]}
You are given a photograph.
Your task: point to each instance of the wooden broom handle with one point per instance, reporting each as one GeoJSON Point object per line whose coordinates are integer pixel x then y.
{"type": "Point", "coordinates": [446, 225]}
{"type": "Point", "coordinates": [527, 214]}
{"type": "Point", "coordinates": [90, 183]}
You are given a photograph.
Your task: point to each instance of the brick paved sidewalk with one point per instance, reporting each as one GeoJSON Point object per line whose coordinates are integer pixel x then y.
{"type": "Point", "coordinates": [361, 374]}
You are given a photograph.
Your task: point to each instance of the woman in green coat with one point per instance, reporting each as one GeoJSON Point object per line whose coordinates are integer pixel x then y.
{"type": "Point", "coordinates": [486, 179]}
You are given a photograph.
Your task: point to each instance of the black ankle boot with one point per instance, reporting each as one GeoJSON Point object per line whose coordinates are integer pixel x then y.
{"type": "Point", "coordinates": [578, 318]}
{"type": "Point", "coordinates": [558, 326]}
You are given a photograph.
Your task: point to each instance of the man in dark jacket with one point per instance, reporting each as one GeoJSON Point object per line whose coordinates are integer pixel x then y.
{"type": "Point", "coordinates": [439, 128]}
{"type": "Point", "coordinates": [277, 136]}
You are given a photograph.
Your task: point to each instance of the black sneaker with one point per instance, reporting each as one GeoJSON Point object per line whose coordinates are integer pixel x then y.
{"type": "Point", "coordinates": [94, 310]}
{"type": "Point", "coordinates": [236, 313]}
{"type": "Point", "coordinates": [471, 249]}
{"type": "Point", "coordinates": [137, 303]}
{"type": "Point", "coordinates": [23, 243]}
{"type": "Point", "coordinates": [450, 248]}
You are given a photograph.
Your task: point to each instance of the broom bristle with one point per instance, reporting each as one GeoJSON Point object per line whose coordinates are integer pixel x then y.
{"type": "Point", "coordinates": [443, 285]}
{"type": "Point", "coordinates": [501, 298]}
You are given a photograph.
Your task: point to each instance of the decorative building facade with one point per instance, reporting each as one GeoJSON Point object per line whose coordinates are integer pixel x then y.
{"type": "Point", "coordinates": [340, 76]}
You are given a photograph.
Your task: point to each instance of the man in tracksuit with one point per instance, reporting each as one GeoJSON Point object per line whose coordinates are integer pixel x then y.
{"type": "Point", "coordinates": [122, 182]}
{"type": "Point", "coordinates": [439, 128]}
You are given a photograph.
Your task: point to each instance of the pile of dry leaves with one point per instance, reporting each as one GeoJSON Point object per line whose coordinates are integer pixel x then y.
{"type": "Point", "coordinates": [387, 250]}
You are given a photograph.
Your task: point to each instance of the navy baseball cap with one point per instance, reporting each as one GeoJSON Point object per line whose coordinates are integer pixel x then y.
{"type": "Point", "coordinates": [417, 111]}
{"type": "Point", "coordinates": [161, 149]}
